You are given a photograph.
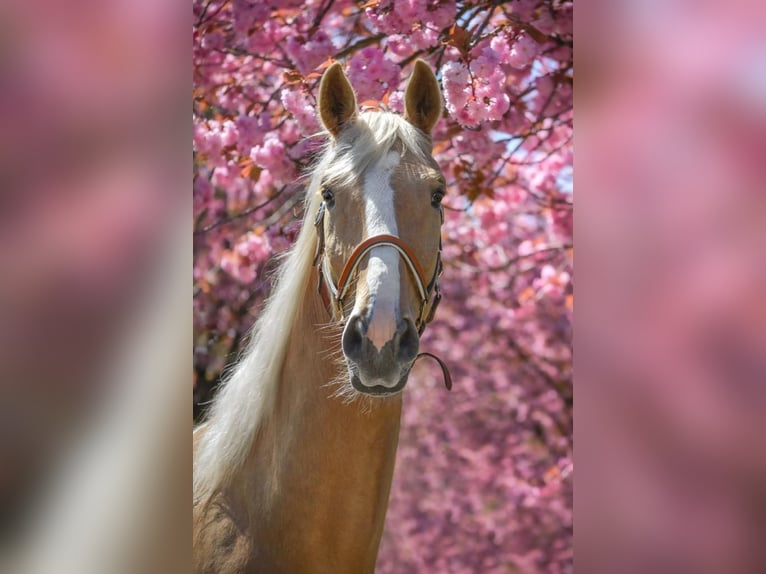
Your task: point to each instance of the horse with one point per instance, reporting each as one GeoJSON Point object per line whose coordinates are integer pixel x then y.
{"type": "Point", "coordinates": [294, 464]}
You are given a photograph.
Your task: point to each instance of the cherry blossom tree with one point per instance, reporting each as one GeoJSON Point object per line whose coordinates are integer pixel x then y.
{"type": "Point", "coordinates": [484, 474]}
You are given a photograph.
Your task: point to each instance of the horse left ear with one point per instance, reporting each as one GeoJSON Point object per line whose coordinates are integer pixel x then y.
{"type": "Point", "coordinates": [423, 99]}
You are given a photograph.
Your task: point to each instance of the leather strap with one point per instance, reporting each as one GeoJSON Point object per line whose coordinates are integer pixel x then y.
{"type": "Point", "coordinates": [333, 294]}
{"type": "Point", "coordinates": [445, 370]}
{"type": "Point", "coordinates": [379, 240]}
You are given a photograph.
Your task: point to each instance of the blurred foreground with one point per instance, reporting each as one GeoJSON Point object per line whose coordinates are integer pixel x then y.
{"type": "Point", "coordinates": [94, 320]}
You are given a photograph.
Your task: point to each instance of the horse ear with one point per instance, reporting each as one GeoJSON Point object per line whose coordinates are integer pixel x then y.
{"type": "Point", "coordinates": [423, 99]}
{"type": "Point", "coordinates": [337, 102]}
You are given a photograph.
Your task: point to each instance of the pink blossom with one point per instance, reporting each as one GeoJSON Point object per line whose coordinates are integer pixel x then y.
{"type": "Point", "coordinates": [255, 247]}
{"type": "Point", "coordinates": [246, 15]}
{"type": "Point", "coordinates": [251, 132]}
{"type": "Point", "coordinates": [396, 101]}
{"type": "Point", "coordinates": [308, 54]}
{"type": "Point", "coordinates": [296, 102]}
{"type": "Point", "coordinates": [271, 155]}
{"type": "Point", "coordinates": [372, 74]}
{"type": "Point", "coordinates": [523, 52]}
{"type": "Point", "coordinates": [203, 192]}
{"type": "Point", "coordinates": [561, 223]}
{"type": "Point", "coordinates": [456, 82]}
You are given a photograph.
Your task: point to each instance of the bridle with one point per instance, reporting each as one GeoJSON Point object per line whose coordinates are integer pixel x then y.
{"type": "Point", "coordinates": [333, 294]}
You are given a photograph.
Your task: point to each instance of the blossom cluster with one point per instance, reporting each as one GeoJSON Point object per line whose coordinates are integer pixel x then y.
{"type": "Point", "coordinates": [484, 475]}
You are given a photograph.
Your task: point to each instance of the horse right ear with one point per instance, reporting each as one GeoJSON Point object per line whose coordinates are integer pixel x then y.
{"type": "Point", "coordinates": [337, 102]}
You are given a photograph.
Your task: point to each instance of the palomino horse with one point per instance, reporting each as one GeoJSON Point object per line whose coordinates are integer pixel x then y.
{"type": "Point", "coordinates": [293, 468]}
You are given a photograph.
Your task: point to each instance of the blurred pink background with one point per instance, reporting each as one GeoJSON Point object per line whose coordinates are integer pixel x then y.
{"type": "Point", "coordinates": [671, 316]}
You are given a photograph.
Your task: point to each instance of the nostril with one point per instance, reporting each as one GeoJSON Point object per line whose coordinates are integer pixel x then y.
{"type": "Point", "coordinates": [352, 337]}
{"type": "Point", "coordinates": [409, 341]}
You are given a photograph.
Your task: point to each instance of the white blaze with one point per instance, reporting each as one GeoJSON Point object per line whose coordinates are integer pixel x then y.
{"type": "Point", "coordinates": [383, 262]}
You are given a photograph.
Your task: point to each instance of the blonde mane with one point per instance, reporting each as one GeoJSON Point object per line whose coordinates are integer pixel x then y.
{"type": "Point", "coordinates": [247, 396]}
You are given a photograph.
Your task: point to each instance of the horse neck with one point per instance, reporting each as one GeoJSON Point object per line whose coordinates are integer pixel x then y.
{"type": "Point", "coordinates": [323, 466]}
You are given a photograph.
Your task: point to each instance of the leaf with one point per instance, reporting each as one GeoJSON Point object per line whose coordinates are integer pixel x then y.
{"type": "Point", "coordinates": [553, 473]}
{"type": "Point", "coordinates": [459, 38]}
{"type": "Point", "coordinates": [473, 191]}
{"type": "Point", "coordinates": [453, 131]}
{"type": "Point", "coordinates": [252, 172]}
{"type": "Point", "coordinates": [526, 295]}
{"type": "Point", "coordinates": [440, 147]}
{"type": "Point", "coordinates": [375, 104]}
{"type": "Point", "coordinates": [292, 77]}
{"type": "Point", "coordinates": [282, 13]}
{"type": "Point", "coordinates": [326, 64]}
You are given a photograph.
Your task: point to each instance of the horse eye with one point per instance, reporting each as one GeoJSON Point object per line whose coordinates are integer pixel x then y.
{"type": "Point", "coordinates": [327, 195]}
{"type": "Point", "coordinates": [436, 197]}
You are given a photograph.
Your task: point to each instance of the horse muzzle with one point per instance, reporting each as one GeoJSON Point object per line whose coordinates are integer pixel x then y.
{"type": "Point", "coordinates": [379, 371]}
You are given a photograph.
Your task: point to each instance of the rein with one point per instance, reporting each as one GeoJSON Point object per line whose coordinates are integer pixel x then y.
{"type": "Point", "coordinates": [333, 294]}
